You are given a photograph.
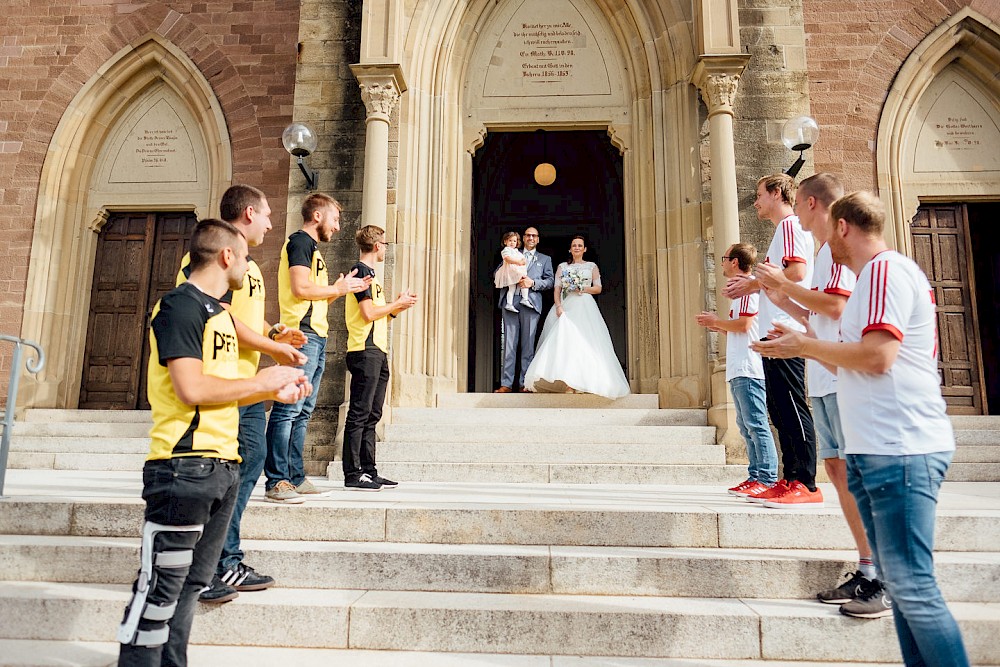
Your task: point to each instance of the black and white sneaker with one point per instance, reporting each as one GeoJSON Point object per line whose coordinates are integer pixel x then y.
{"type": "Point", "coordinates": [386, 483]}
{"type": "Point", "coordinates": [245, 578]}
{"type": "Point", "coordinates": [873, 602]}
{"type": "Point", "coordinates": [217, 592]}
{"type": "Point", "coordinates": [847, 591]}
{"type": "Point", "coordinates": [363, 483]}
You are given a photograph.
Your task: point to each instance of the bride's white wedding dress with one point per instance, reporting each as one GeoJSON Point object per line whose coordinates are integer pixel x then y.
{"type": "Point", "coordinates": [575, 350]}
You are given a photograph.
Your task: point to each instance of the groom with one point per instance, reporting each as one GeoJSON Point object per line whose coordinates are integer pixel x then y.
{"type": "Point", "coordinates": [520, 327]}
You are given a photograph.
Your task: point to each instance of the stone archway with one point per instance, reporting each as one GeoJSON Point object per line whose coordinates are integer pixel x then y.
{"type": "Point", "coordinates": [939, 176]}
{"type": "Point", "coordinates": [652, 115]}
{"type": "Point", "coordinates": [79, 188]}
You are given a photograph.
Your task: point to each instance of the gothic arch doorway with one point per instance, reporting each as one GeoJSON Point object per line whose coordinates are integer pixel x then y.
{"type": "Point", "coordinates": [586, 198]}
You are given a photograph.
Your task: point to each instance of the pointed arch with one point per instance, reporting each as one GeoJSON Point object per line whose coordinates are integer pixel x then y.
{"type": "Point", "coordinates": [69, 215]}
{"type": "Point", "coordinates": [656, 128]}
{"type": "Point", "coordinates": [967, 42]}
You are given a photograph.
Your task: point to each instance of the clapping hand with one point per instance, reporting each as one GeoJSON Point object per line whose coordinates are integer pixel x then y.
{"type": "Point", "coordinates": [289, 336]}
{"type": "Point", "coordinates": [404, 301]}
{"type": "Point", "coordinates": [783, 342]}
{"type": "Point", "coordinates": [351, 284]}
{"type": "Point", "coordinates": [287, 355]}
{"type": "Point", "coordinates": [284, 383]}
{"type": "Point", "coordinates": [708, 320]}
{"type": "Point", "coordinates": [738, 287]}
{"type": "Point", "coordinates": [770, 276]}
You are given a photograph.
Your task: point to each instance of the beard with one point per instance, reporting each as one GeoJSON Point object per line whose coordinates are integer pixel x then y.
{"type": "Point", "coordinates": [325, 234]}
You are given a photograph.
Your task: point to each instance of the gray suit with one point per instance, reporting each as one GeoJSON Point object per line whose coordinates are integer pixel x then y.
{"type": "Point", "coordinates": [520, 327]}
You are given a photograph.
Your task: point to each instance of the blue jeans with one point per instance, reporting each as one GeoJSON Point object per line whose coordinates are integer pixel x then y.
{"type": "Point", "coordinates": [897, 498]}
{"type": "Point", "coordinates": [751, 418]}
{"type": "Point", "coordinates": [286, 429]}
{"type": "Point", "coordinates": [253, 449]}
{"type": "Point", "coordinates": [829, 430]}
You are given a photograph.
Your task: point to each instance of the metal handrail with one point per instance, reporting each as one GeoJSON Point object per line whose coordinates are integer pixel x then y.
{"type": "Point", "coordinates": [33, 366]}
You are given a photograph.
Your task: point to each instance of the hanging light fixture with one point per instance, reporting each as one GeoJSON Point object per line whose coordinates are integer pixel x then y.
{"type": "Point", "coordinates": [799, 134]}
{"type": "Point", "coordinates": [545, 172]}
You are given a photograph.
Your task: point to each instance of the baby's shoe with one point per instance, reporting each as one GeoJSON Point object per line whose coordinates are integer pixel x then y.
{"type": "Point", "coordinates": [510, 307]}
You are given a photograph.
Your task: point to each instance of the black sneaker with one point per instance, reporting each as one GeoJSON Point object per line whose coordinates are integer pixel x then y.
{"type": "Point", "coordinates": [363, 483]}
{"type": "Point", "coordinates": [386, 483]}
{"type": "Point", "coordinates": [847, 591]}
{"type": "Point", "coordinates": [218, 591]}
{"type": "Point", "coordinates": [244, 578]}
{"type": "Point", "coordinates": [873, 602]}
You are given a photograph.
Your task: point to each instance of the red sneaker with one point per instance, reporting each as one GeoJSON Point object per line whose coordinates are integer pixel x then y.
{"type": "Point", "coordinates": [738, 489]}
{"type": "Point", "coordinates": [778, 489]}
{"type": "Point", "coordinates": [754, 490]}
{"type": "Point", "coordinates": [798, 495]}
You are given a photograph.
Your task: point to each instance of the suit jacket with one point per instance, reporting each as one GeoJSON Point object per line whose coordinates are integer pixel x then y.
{"type": "Point", "coordinates": [539, 270]}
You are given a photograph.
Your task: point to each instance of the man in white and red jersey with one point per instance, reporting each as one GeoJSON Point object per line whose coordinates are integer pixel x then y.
{"type": "Point", "coordinates": [745, 375]}
{"type": "Point", "coordinates": [899, 440]}
{"type": "Point", "coordinates": [861, 595]}
{"type": "Point", "coordinates": [791, 249]}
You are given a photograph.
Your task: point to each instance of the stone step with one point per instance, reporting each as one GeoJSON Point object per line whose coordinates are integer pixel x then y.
{"type": "Point", "coordinates": [76, 461]}
{"type": "Point", "coordinates": [491, 568]}
{"type": "Point", "coordinates": [520, 514]}
{"type": "Point", "coordinates": [564, 417]}
{"type": "Point", "coordinates": [551, 452]}
{"type": "Point", "coordinates": [81, 445]}
{"type": "Point", "coordinates": [94, 429]}
{"type": "Point", "coordinates": [498, 434]}
{"type": "Point", "coordinates": [102, 416]}
{"type": "Point", "coordinates": [987, 422]}
{"type": "Point", "coordinates": [518, 400]}
{"type": "Point", "coordinates": [47, 653]}
{"type": "Point", "coordinates": [498, 623]}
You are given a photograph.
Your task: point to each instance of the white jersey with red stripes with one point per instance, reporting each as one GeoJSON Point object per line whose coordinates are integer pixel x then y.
{"type": "Point", "coordinates": [789, 245]}
{"type": "Point", "coordinates": [741, 361]}
{"type": "Point", "coordinates": [829, 278]}
{"type": "Point", "coordinates": [900, 412]}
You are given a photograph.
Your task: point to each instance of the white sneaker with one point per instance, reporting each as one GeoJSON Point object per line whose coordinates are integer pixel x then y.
{"type": "Point", "coordinates": [510, 308]}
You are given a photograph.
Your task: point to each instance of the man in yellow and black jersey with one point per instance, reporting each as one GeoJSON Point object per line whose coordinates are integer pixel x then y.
{"type": "Point", "coordinates": [304, 290]}
{"type": "Point", "coordinates": [367, 315]}
{"type": "Point", "coordinates": [246, 208]}
{"type": "Point", "coordinates": [190, 477]}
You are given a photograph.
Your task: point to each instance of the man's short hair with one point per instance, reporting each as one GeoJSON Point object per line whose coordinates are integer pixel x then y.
{"type": "Point", "coordinates": [368, 236]}
{"type": "Point", "coordinates": [824, 186]}
{"type": "Point", "coordinates": [236, 199]}
{"type": "Point", "coordinates": [860, 209]}
{"type": "Point", "coordinates": [782, 183]}
{"type": "Point", "coordinates": [745, 255]}
{"type": "Point", "coordinates": [211, 236]}
{"type": "Point", "coordinates": [315, 202]}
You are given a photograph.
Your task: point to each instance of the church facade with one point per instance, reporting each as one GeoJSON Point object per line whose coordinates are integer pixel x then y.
{"type": "Point", "coordinates": [122, 122]}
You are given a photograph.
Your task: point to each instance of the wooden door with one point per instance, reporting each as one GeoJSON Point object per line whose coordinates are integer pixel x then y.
{"type": "Point", "coordinates": [137, 258]}
{"type": "Point", "coordinates": [941, 248]}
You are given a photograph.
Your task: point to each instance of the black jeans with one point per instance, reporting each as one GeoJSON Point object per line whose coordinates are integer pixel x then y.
{"type": "Point", "coordinates": [788, 408]}
{"type": "Point", "coordinates": [183, 492]}
{"type": "Point", "coordinates": [369, 380]}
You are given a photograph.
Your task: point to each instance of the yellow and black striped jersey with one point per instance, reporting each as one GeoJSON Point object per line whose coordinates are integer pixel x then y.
{"type": "Point", "coordinates": [188, 323]}
{"type": "Point", "coordinates": [302, 250]}
{"type": "Point", "coordinates": [245, 304]}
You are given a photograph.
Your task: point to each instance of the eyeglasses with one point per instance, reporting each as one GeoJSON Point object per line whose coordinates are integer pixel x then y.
{"type": "Point", "coordinates": [726, 258]}
{"type": "Point", "coordinates": [531, 236]}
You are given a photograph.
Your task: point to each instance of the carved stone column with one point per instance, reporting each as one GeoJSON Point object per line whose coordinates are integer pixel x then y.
{"type": "Point", "coordinates": [718, 77]}
{"type": "Point", "coordinates": [381, 86]}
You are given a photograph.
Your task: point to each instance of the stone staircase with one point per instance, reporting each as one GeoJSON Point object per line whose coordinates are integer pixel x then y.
{"type": "Point", "coordinates": [630, 568]}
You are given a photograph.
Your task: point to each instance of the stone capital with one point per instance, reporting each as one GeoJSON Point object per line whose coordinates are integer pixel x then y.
{"type": "Point", "coordinates": [381, 87]}
{"type": "Point", "coordinates": [717, 77]}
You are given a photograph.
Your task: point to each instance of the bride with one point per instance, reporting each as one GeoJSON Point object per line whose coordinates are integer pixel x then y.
{"type": "Point", "coordinates": [575, 352]}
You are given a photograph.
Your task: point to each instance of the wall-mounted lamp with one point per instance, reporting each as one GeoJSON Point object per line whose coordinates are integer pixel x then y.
{"type": "Point", "coordinates": [799, 134]}
{"type": "Point", "coordinates": [545, 172]}
{"type": "Point", "coordinates": [300, 142]}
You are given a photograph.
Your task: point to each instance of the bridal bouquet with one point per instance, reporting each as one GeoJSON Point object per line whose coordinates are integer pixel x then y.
{"type": "Point", "coordinates": [573, 280]}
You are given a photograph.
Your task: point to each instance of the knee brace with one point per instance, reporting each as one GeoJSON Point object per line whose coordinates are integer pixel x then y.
{"type": "Point", "coordinates": [165, 556]}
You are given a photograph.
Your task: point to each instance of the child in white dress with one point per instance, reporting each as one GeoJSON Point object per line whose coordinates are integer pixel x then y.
{"type": "Point", "coordinates": [513, 267]}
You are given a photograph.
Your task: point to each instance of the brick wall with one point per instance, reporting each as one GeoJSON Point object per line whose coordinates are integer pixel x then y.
{"type": "Point", "coordinates": [855, 49]}
{"type": "Point", "coordinates": [50, 49]}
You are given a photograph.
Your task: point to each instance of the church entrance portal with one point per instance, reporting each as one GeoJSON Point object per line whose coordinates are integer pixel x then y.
{"type": "Point", "coordinates": [586, 199]}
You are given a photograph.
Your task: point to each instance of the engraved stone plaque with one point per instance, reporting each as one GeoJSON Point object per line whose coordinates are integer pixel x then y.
{"type": "Point", "coordinates": [156, 149]}
{"type": "Point", "coordinates": [546, 48]}
{"type": "Point", "coordinates": [958, 133]}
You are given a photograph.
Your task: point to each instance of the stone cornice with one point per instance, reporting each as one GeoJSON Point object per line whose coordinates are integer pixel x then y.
{"type": "Point", "coordinates": [381, 87]}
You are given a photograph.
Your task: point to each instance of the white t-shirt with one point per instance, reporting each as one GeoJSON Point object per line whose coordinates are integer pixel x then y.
{"type": "Point", "coordinates": [830, 278]}
{"type": "Point", "coordinates": [789, 244]}
{"type": "Point", "coordinates": [900, 412]}
{"type": "Point", "coordinates": [741, 361]}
